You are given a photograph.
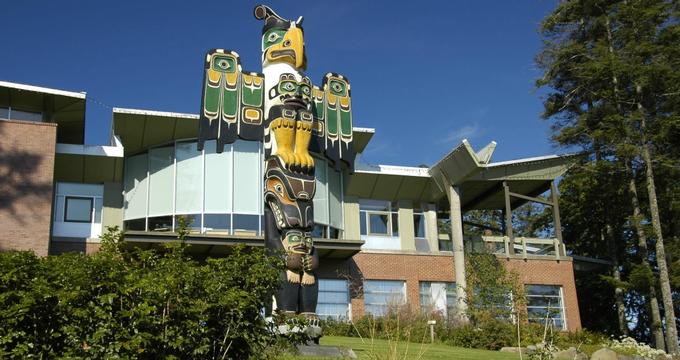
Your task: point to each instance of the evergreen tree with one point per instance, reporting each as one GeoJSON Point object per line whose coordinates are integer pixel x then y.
{"type": "Point", "coordinates": [612, 71]}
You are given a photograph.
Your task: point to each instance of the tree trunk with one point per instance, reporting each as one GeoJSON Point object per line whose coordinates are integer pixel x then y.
{"type": "Point", "coordinates": [654, 313]}
{"type": "Point", "coordinates": [666, 292]}
{"type": "Point", "coordinates": [616, 274]}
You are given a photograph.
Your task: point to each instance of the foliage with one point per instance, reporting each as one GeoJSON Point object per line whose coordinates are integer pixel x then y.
{"type": "Point", "coordinates": [629, 346]}
{"type": "Point", "coordinates": [611, 75]}
{"type": "Point", "coordinates": [381, 349]}
{"type": "Point", "coordinates": [493, 292]}
{"type": "Point", "coordinates": [136, 303]}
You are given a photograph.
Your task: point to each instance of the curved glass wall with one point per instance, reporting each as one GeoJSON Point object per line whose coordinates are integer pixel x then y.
{"type": "Point", "coordinates": [218, 193]}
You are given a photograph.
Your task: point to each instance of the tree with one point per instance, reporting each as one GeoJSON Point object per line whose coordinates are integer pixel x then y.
{"type": "Point", "coordinates": [612, 69]}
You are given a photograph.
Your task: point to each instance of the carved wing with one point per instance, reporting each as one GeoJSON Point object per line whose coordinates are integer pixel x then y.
{"type": "Point", "coordinates": [338, 116]}
{"type": "Point", "coordinates": [232, 104]}
{"type": "Point", "coordinates": [318, 143]}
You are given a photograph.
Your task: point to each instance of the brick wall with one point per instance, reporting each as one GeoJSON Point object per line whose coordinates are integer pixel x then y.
{"type": "Point", "coordinates": [27, 155]}
{"type": "Point", "coordinates": [413, 268]}
{"type": "Point", "coordinates": [60, 247]}
{"type": "Point", "coordinates": [551, 272]}
{"type": "Point", "coordinates": [26, 184]}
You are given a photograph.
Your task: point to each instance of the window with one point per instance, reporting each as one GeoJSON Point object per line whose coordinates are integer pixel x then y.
{"type": "Point", "coordinates": [378, 218]}
{"type": "Point", "coordinates": [419, 225]}
{"type": "Point", "coordinates": [220, 192]}
{"type": "Point", "coordinates": [333, 299]}
{"type": "Point", "coordinates": [382, 296]}
{"type": "Point", "coordinates": [328, 198]}
{"type": "Point", "coordinates": [545, 303]}
{"type": "Point", "coordinates": [438, 297]}
{"type": "Point", "coordinates": [14, 114]}
{"type": "Point", "coordinates": [78, 209]}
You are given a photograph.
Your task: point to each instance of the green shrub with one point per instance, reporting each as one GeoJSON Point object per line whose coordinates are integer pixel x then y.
{"type": "Point", "coordinates": [136, 304]}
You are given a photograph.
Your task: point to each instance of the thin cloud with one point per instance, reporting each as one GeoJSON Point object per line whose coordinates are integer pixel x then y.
{"type": "Point", "coordinates": [469, 131]}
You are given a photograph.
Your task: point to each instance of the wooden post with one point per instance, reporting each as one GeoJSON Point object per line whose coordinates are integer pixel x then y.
{"type": "Point", "coordinates": [508, 219]}
{"type": "Point", "coordinates": [556, 216]}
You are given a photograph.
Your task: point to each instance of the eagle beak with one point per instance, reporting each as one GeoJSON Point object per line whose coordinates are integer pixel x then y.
{"type": "Point", "coordinates": [290, 50]}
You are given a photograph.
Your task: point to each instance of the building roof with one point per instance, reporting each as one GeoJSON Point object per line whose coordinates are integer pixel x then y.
{"type": "Point", "coordinates": [65, 108]}
{"type": "Point", "coordinates": [89, 163]}
{"type": "Point", "coordinates": [140, 129]}
{"type": "Point", "coordinates": [479, 179]}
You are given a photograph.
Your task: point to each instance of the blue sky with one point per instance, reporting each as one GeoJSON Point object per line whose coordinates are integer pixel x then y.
{"type": "Point", "coordinates": [425, 74]}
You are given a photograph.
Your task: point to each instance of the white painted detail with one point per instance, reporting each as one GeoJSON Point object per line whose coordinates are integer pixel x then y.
{"type": "Point", "coordinates": [90, 150]}
{"type": "Point", "coordinates": [154, 113]}
{"type": "Point", "coordinates": [44, 90]}
{"type": "Point", "coordinates": [82, 230]}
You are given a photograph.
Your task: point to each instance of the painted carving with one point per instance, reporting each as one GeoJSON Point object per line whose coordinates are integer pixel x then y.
{"type": "Point", "coordinates": [294, 119]}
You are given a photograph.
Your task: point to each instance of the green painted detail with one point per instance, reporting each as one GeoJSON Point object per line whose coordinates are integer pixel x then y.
{"type": "Point", "coordinates": [211, 100]}
{"type": "Point", "coordinates": [229, 103]}
{"type": "Point", "coordinates": [224, 64]}
{"type": "Point", "coordinates": [317, 108]}
{"type": "Point", "coordinates": [288, 87]}
{"type": "Point", "coordinates": [337, 88]}
{"type": "Point", "coordinates": [252, 96]}
{"type": "Point", "coordinates": [272, 37]}
{"type": "Point", "coordinates": [332, 120]}
{"type": "Point", "coordinates": [346, 123]}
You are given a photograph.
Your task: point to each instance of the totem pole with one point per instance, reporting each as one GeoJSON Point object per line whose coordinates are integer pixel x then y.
{"type": "Point", "coordinates": [281, 108]}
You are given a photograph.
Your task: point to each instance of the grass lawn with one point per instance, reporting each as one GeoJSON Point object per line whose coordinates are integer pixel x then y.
{"type": "Point", "coordinates": [382, 349]}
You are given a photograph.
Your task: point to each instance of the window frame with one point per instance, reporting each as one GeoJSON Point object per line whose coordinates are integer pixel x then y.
{"type": "Point", "coordinates": [561, 307]}
{"type": "Point", "coordinates": [392, 220]}
{"type": "Point", "coordinates": [346, 303]}
{"type": "Point", "coordinates": [90, 199]}
{"type": "Point", "coordinates": [421, 214]}
{"type": "Point", "coordinates": [449, 293]}
{"type": "Point", "coordinates": [383, 306]}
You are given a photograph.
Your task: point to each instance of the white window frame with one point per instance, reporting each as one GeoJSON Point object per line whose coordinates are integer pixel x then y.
{"type": "Point", "coordinates": [348, 314]}
{"type": "Point", "coordinates": [391, 215]}
{"type": "Point", "coordinates": [384, 306]}
{"type": "Point", "coordinates": [561, 308]}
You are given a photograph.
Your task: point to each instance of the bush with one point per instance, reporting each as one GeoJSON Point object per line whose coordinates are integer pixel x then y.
{"type": "Point", "coordinates": [136, 304]}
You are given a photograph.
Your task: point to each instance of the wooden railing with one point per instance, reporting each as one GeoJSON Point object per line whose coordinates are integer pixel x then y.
{"type": "Point", "coordinates": [523, 247]}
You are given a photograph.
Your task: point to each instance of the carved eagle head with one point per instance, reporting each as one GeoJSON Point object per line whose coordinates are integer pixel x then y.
{"type": "Point", "coordinates": [282, 40]}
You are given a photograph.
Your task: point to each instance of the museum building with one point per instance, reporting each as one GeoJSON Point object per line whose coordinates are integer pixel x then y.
{"type": "Point", "coordinates": [385, 234]}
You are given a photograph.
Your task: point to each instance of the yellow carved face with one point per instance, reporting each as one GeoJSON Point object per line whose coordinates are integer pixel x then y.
{"type": "Point", "coordinates": [285, 46]}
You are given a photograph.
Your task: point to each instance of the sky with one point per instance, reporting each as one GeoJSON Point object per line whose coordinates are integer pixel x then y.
{"type": "Point", "coordinates": [424, 74]}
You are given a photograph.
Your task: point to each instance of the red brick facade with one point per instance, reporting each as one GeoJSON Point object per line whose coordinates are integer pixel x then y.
{"type": "Point", "coordinates": [413, 268]}
{"type": "Point", "coordinates": [551, 272]}
{"type": "Point", "coordinates": [27, 152]}
{"type": "Point", "coordinates": [60, 247]}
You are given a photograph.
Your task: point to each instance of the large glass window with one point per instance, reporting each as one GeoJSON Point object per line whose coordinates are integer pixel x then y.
{"type": "Point", "coordinates": [136, 186]}
{"type": "Point", "coordinates": [78, 209]}
{"type": "Point", "coordinates": [438, 297]}
{"type": "Point", "coordinates": [321, 195]}
{"type": "Point", "coordinates": [220, 192]}
{"type": "Point", "coordinates": [383, 296]}
{"type": "Point", "coordinates": [161, 180]}
{"type": "Point", "coordinates": [218, 179]}
{"type": "Point", "coordinates": [189, 186]}
{"type": "Point", "coordinates": [333, 299]}
{"type": "Point", "coordinates": [545, 304]}
{"type": "Point", "coordinates": [247, 178]}
{"type": "Point", "coordinates": [327, 201]}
